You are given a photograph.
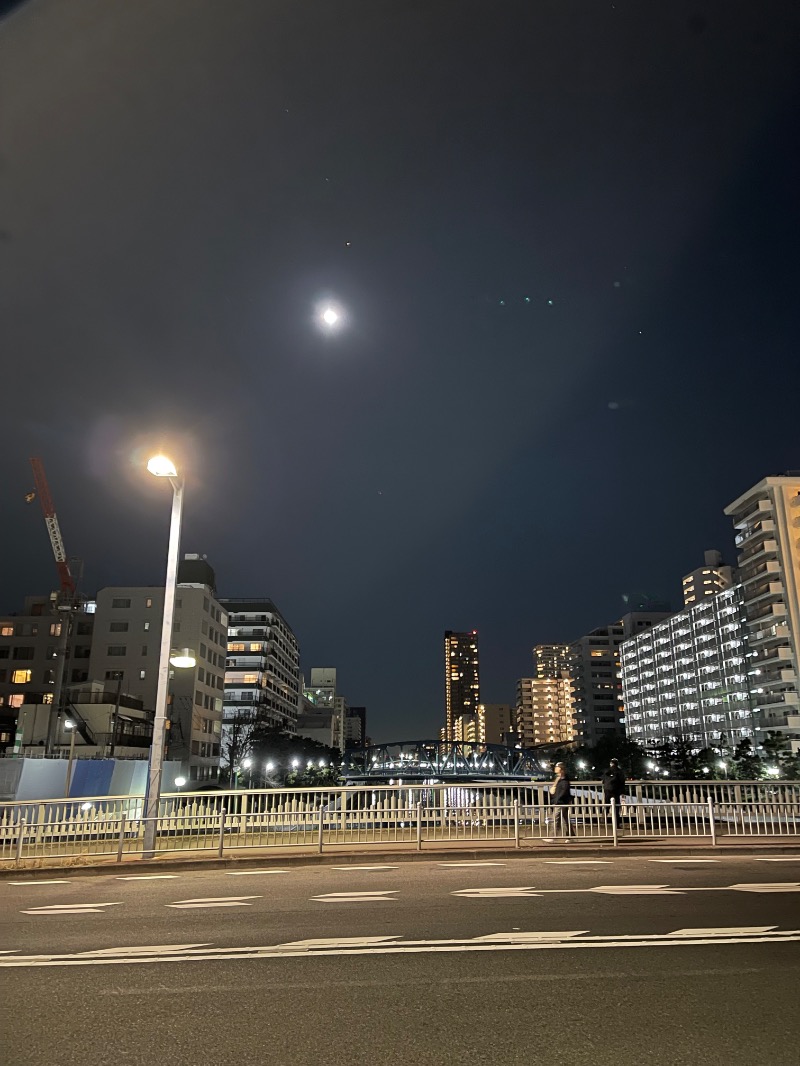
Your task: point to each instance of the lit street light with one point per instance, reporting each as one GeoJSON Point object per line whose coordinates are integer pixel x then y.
{"type": "Point", "coordinates": [180, 782]}
{"type": "Point", "coordinates": [161, 466]}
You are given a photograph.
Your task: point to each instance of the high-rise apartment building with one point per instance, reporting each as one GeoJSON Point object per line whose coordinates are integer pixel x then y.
{"type": "Point", "coordinates": [462, 679]}
{"type": "Point", "coordinates": [545, 711]}
{"type": "Point", "coordinates": [126, 646]}
{"type": "Point", "coordinates": [262, 672]}
{"type": "Point", "coordinates": [767, 520]}
{"type": "Point", "coordinates": [495, 723]}
{"type": "Point", "coordinates": [594, 666]}
{"type": "Point", "coordinates": [688, 677]}
{"type": "Point", "coordinates": [709, 579]}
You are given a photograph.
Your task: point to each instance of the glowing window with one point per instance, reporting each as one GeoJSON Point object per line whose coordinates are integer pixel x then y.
{"type": "Point", "coordinates": [20, 677]}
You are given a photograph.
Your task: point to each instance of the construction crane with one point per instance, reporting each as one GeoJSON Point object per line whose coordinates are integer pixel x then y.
{"type": "Point", "coordinates": [68, 588]}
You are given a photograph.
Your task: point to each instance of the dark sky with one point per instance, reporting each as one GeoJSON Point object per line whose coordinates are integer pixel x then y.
{"type": "Point", "coordinates": [566, 235]}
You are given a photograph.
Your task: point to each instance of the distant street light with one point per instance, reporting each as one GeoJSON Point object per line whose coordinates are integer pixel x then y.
{"type": "Point", "coordinates": [161, 466]}
{"type": "Point", "coordinates": [180, 782]}
{"type": "Point", "coordinates": [184, 659]}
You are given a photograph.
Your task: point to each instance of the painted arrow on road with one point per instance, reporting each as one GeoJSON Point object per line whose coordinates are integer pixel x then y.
{"type": "Point", "coordinates": [494, 893]}
{"type": "Point", "coordinates": [72, 908]}
{"type": "Point", "coordinates": [356, 897]}
{"type": "Point", "coordinates": [637, 890]}
{"type": "Point", "coordinates": [212, 901]}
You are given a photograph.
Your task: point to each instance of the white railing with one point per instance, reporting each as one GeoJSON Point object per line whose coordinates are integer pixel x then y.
{"type": "Point", "coordinates": [315, 819]}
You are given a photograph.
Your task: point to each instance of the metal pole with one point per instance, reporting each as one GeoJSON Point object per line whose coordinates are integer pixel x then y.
{"type": "Point", "coordinates": [711, 821]}
{"type": "Point", "coordinates": [516, 823]}
{"type": "Point", "coordinates": [70, 760]}
{"type": "Point", "coordinates": [614, 821]}
{"type": "Point", "coordinates": [419, 826]}
{"type": "Point", "coordinates": [115, 716]}
{"type": "Point", "coordinates": [153, 796]}
{"type": "Point", "coordinates": [319, 830]}
{"type": "Point", "coordinates": [221, 847]}
{"type": "Point", "coordinates": [20, 839]}
{"type": "Point", "coordinates": [121, 843]}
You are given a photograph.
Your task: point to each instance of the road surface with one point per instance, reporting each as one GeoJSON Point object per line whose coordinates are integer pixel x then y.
{"type": "Point", "coordinates": [625, 961]}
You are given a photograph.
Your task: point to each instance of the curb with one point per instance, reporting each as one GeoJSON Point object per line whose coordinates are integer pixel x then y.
{"type": "Point", "coordinates": [329, 858]}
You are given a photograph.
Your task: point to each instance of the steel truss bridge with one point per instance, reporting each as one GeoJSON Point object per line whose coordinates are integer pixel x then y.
{"type": "Point", "coordinates": [442, 760]}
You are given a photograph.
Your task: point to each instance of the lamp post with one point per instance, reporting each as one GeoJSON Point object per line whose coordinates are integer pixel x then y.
{"type": "Point", "coordinates": [70, 727]}
{"type": "Point", "coordinates": [161, 466]}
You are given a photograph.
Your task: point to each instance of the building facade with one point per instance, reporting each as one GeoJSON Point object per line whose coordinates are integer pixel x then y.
{"type": "Point", "coordinates": [594, 666]}
{"type": "Point", "coordinates": [461, 678]}
{"type": "Point", "coordinates": [709, 579]}
{"type": "Point", "coordinates": [545, 708]}
{"type": "Point", "coordinates": [688, 676]}
{"type": "Point", "coordinates": [767, 522]}
{"type": "Point", "coordinates": [126, 647]}
{"type": "Point", "coordinates": [262, 673]}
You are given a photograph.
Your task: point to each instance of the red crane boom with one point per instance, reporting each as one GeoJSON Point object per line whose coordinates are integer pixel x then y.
{"type": "Point", "coordinates": [53, 530]}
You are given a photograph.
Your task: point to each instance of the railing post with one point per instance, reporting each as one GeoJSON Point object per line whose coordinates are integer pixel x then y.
{"type": "Point", "coordinates": [121, 841]}
{"type": "Point", "coordinates": [711, 821]}
{"type": "Point", "coordinates": [516, 822]}
{"type": "Point", "coordinates": [320, 828]}
{"type": "Point", "coordinates": [221, 846]}
{"type": "Point", "coordinates": [614, 834]}
{"type": "Point", "coordinates": [419, 825]}
{"type": "Point", "coordinates": [20, 840]}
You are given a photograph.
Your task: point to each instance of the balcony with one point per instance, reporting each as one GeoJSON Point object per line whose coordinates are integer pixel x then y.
{"type": "Point", "coordinates": [766, 525]}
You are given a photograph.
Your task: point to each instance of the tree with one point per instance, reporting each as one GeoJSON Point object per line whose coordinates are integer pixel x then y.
{"type": "Point", "coordinates": [295, 760]}
{"type": "Point", "coordinates": [747, 766]}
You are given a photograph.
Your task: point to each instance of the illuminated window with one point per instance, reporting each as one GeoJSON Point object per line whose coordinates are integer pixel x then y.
{"type": "Point", "coordinates": [6, 631]}
{"type": "Point", "coordinates": [47, 697]}
{"type": "Point", "coordinates": [55, 629]}
{"type": "Point", "coordinates": [15, 700]}
{"type": "Point", "coordinates": [20, 677]}
{"type": "Point", "coordinates": [236, 647]}
{"type": "Point", "coordinates": [255, 647]}
{"type": "Point", "coordinates": [597, 654]}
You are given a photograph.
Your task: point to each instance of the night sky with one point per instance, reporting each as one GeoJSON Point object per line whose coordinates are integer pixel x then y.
{"type": "Point", "coordinates": [566, 236]}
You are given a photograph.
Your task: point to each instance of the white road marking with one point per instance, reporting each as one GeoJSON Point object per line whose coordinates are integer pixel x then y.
{"type": "Point", "coordinates": [757, 860]}
{"type": "Point", "coordinates": [72, 908]}
{"type": "Point", "coordinates": [493, 893]}
{"type": "Point", "coordinates": [363, 867]}
{"type": "Point", "coordinates": [151, 949]}
{"type": "Point", "coordinates": [683, 860]}
{"type": "Point", "coordinates": [787, 886]}
{"type": "Point", "coordinates": [339, 942]}
{"type": "Point", "coordinates": [40, 882]}
{"type": "Point", "coordinates": [744, 930]}
{"type": "Point", "coordinates": [146, 877]}
{"type": "Point", "coordinates": [356, 897]}
{"type": "Point", "coordinates": [212, 901]}
{"type": "Point", "coordinates": [453, 865]}
{"type": "Point", "coordinates": [578, 862]}
{"type": "Point", "coordinates": [379, 946]}
{"type": "Point", "coordinates": [252, 873]}
{"type": "Point", "coordinates": [637, 890]}
{"type": "Point", "coordinates": [519, 937]}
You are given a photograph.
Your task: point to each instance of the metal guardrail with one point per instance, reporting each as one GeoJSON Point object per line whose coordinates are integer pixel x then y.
{"type": "Point", "coordinates": [479, 819]}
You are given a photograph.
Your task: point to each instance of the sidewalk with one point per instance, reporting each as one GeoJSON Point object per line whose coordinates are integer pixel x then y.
{"type": "Point", "coordinates": [344, 854]}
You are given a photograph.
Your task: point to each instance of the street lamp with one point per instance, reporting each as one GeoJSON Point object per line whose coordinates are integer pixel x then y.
{"type": "Point", "coordinates": [180, 782]}
{"type": "Point", "coordinates": [161, 466]}
{"type": "Point", "coordinates": [70, 727]}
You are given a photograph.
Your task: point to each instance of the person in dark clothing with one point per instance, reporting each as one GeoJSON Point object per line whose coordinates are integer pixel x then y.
{"type": "Point", "coordinates": [561, 798]}
{"type": "Point", "coordinates": [613, 782]}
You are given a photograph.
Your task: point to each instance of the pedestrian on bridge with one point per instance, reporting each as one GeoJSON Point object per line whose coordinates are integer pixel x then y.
{"type": "Point", "coordinates": [561, 799]}
{"type": "Point", "coordinates": [613, 782]}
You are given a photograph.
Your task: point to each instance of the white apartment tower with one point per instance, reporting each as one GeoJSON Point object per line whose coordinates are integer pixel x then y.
{"type": "Point", "coordinates": [767, 520]}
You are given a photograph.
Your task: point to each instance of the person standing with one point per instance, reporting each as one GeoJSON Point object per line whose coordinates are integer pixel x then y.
{"type": "Point", "coordinates": [613, 782]}
{"type": "Point", "coordinates": [561, 799]}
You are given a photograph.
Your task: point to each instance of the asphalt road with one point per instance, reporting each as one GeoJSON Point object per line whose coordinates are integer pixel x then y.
{"type": "Point", "coordinates": [621, 961]}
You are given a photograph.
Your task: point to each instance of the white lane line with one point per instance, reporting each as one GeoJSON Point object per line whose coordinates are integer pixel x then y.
{"type": "Point", "coordinates": [40, 882]}
{"type": "Point", "coordinates": [146, 877]}
{"type": "Point", "coordinates": [454, 865]}
{"type": "Point", "coordinates": [212, 901]}
{"type": "Point", "coordinates": [637, 890]}
{"type": "Point", "coordinates": [339, 942]}
{"type": "Point", "coordinates": [757, 860]}
{"type": "Point", "coordinates": [519, 937]}
{"type": "Point", "coordinates": [150, 949]}
{"type": "Point", "coordinates": [683, 860]}
{"type": "Point", "coordinates": [252, 873]}
{"type": "Point", "coordinates": [364, 867]}
{"type": "Point", "coordinates": [578, 862]}
{"type": "Point", "coordinates": [787, 886]}
{"type": "Point", "coordinates": [72, 908]}
{"type": "Point", "coordinates": [493, 893]}
{"type": "Point", "coordinates": [744, 930]}
{"type": "Point", "coordinates": [379, 946]}
{"type": "Point", "coordinates": [356, 897]}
